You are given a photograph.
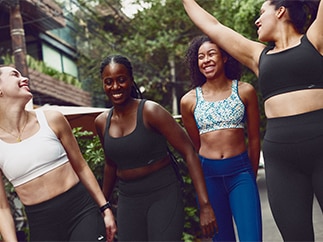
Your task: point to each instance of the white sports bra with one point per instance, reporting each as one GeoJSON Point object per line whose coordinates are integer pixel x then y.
{"type": "Point", "coordinates": [21, 162]}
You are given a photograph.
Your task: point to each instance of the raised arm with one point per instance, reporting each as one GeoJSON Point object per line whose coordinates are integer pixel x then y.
{"type": "Point", "coordinates": [7, 226]}
{"type": "Point", "coordinates": [315, 32]}
{"type": "Point", "coordinates": [244, 50]}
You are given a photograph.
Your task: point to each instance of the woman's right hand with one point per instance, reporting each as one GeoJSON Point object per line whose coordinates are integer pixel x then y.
{"type": "Point", "coordinates": [208, 221]}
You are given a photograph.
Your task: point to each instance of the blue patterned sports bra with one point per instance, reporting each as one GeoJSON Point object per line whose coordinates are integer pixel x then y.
{"type": "Point", "coordinates": [225, 114]}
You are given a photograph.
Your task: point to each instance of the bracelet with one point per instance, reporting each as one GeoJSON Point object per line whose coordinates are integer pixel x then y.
{"type": "Point", "coordinates": [105, 206]}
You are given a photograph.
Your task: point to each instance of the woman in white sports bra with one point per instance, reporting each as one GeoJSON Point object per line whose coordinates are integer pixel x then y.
{"type": "Point", "coordinates": [215, 113]}
{"type": "Point", "coordinates": [41, 158]}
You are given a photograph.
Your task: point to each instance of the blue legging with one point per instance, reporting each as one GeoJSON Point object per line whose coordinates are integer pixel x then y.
{"type": "Point", "coordinates": [233, 193]}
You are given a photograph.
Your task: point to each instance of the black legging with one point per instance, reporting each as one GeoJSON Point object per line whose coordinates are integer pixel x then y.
{"type": "Point", "coordinates": [293, 153]}
{"type": "Point", "coordinates": [71, 216]}
{"type": "Point", "coordinates": [151, 208]}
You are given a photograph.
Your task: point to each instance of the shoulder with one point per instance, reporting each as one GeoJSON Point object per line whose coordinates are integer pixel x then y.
{"type": "Point", "coordinates": [245, 87]}
{"type": "Point", "coordinates": [247, 92]}
{"type": "Point", "coordinates": [102, 117]}
{"type": "Point", "coordinates": [150, 107]}
{"type": "Point", "coordinates": [189, 97]}
{"type": "Point", "coordinates": [53, 116]}
{"type": "Point", "coordinates": [154, 113]}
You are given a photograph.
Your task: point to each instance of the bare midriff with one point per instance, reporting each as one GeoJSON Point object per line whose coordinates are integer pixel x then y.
{"type": "Point", "coordinates": [135, 173]}
{"type": "Point", "coordinates": [222, 144]}
{"type": "Point", "coordinates": [48, 185]}
{"type": "Point", "coordinates": [293, 103]}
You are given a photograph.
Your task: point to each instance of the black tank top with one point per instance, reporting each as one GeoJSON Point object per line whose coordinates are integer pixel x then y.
{"type": "Point", "coordinates": [297, 68]}
{"type": "Point", "coordinates": [137, 149]}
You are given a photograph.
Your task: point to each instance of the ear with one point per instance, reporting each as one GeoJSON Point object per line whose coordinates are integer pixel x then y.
{"type": "Point", "coordinates": [225, 59]}
{"type": "Point", "coordinates": [281, 11]}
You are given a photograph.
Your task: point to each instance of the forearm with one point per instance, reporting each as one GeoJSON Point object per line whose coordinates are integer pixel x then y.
{"type": "Point", "coordinates": [109, 180]}
{"type": "Point", "coordinates": [89, 181]}
{"type": "Point", "coordinates": [196, 173]}
{"type": "Point", "coordinates": [7, 226]}
{"type": "Point", "coordinates": [254, 155]}
{"type": "Point", "coordinates": [200, 17]}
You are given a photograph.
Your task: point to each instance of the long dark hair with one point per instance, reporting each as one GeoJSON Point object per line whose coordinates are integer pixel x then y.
{"type": "Point", "coordinates": [301, 12]}
{"type": "Point", "coordinates": [120, 59]}
{"type": "Point", "coordinates": [232, 67]}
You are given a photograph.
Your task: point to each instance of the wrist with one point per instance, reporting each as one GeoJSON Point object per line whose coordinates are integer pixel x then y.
{"type": "Point", "coordinates": [106, 206]}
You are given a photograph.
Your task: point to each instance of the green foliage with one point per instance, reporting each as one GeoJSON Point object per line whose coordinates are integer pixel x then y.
{"type": "Point", "coordinates": [92, 151]}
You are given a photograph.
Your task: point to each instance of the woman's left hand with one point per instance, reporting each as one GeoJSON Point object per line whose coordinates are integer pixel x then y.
{"type": "Point", "coordinates": [110, 225]}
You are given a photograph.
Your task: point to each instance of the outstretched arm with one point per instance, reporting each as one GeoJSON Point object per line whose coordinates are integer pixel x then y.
{"type": "Point", "coordinates": [7, 226]}
{"type": "Point", "coordinates": [244, 50]}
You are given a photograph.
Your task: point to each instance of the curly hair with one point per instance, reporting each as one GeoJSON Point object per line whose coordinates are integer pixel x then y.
{"type": "Point", "coordinates": [232, 67]}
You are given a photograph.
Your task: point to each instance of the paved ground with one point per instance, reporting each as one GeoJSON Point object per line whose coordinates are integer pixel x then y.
{"type": "Point", "coordinates": [270, 231]}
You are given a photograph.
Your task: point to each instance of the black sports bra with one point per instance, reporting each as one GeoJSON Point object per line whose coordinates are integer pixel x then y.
{"type": "Point", "coordinates": [140, 148]}
{"type": "Point", "coordinates": [297, 68]}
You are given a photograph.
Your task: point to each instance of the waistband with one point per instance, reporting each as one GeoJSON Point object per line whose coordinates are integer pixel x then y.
{"type": "Point", "coordinates": [154, 181]}
{"type": "Point", "coordinates": [225, 167]}
{"type": "Point", "coordinates": [295, 128]}
{"type": "Point", "coordinates": [70, 196]}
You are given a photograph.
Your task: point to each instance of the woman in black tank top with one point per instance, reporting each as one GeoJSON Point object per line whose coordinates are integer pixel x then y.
{"type": "Point", "coordinates": [134, 135]}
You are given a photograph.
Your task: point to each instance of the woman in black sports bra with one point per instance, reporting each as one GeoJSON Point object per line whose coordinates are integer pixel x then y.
{"type": "Point", "coordinates": [134, 134]}
{"type": "Point", "coordinates": [290, 74]}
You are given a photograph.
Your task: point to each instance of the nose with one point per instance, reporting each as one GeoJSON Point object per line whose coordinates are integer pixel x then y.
{"type": "Point", "coordinates": [206, 58]}
{"type": "Point", "coordinates": [25, 79]}
{"type": "Point", "coordinates": [115, 85]}
{"type": "Point", "coordinates": [257, 22]}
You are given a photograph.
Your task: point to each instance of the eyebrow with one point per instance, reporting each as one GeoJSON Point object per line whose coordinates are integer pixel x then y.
{"type": "Point", "coordinates": [15, 72]}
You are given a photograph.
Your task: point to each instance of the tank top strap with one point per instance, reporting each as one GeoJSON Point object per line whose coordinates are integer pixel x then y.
{"type": "Point", "coordinates": [108, 120]}
{"type": "Point", "coordinates": [41, 118]}
{"type": "Point", "coordinates": [234, 87]}
{"type": "Point", "coordinates": [139, 112]}
{"type": "Point", "coordinates": [199, 95]}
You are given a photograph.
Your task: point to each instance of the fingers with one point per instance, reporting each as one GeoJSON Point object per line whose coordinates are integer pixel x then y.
{"type": "Point", "coordinates": [111, 231]}
{"type": "Point", "coordinates": [210, 229]}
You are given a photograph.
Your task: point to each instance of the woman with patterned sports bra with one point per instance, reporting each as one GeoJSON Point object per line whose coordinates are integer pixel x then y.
{"type": "Point", "coordinates": [215, 113]}
{"type": "Point", "coordinates": [134, 134]}
{"type": "Point", "coordinates": [290, 75]}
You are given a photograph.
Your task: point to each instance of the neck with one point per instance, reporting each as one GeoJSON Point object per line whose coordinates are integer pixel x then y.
{"type": "Point", "coordinates": [14, 125]}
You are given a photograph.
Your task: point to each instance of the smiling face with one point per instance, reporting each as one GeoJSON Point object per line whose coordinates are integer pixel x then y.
{"type": "Point", "coordinates": [266, 22]}
{"type": "Point", "coordinates": [12, 83]}
{"type": "Point", "coordinates": [117, 83]}
{"type": "Point", "coordinates": [210, 60]}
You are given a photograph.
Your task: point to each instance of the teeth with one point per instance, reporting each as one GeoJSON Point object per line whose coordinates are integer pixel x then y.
{"type": "Point", "coordinates": [117, 95]}
{"type": "Point", "coordinates": [209, 68]}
